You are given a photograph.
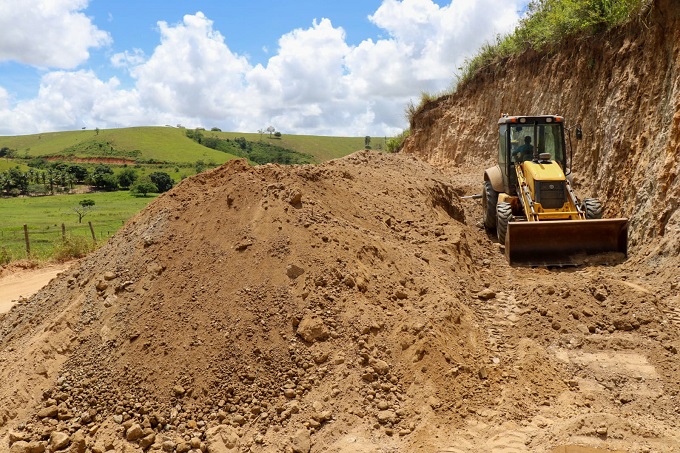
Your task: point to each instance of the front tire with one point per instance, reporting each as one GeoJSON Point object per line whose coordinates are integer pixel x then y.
{"type": "Point", "coordinates": [592, 207]}
{"type": "Point", "coordinates": [489, 201]}
{"type": "Point", "coordinates": [503, 217]}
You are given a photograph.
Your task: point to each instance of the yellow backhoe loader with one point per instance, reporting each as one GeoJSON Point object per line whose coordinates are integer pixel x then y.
{"type": "Point", "coordinates": [528, 199]}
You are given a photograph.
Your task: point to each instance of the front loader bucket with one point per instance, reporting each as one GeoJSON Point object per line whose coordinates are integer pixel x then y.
{"type": "Point", "coordinates": [564, 242]}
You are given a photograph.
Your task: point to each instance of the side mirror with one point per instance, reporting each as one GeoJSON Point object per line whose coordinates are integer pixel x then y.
{"type": "Point", "coordinates": [579, 133]}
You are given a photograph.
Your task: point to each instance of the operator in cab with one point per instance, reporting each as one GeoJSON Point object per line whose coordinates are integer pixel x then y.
{"type": "Point", "coordinates": [524, 152]}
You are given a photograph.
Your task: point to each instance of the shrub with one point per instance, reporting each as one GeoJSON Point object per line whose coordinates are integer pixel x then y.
{"type": "Point", "coordinates": [126, 177]}
{"type": "Point", "coordinates": [5, 256]}
{"type": "Point", "coordinates": [72, 247]}
{"type": "Point", "coordinates": [162, 180]}
{"type": "Point", "coordinates": [394, 144]}
{"type": "Point", "coordinates": [143, 187]}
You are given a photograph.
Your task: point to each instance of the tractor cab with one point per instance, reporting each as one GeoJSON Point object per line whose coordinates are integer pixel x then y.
{"type": "Point", "coordinates": [538, 139]}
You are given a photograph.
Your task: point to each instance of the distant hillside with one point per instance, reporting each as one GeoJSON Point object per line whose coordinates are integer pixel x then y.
{"type": "Point", "coordinates": [166, 144]}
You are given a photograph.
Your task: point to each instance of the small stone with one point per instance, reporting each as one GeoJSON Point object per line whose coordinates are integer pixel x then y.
{"type": "Point", "coordinates": [178, 390]}
{"type": "Point", "coordinates": [289, 393]}
{"type": "Point", "coordinates": [294, 197]}
{"type": "Point", "coordinates": [600, 294]}
{"type": "Point", "coordinates": [118, 419]}
{"type": "Point", "coordinates": [19, 447]}
{"type": "Point", "coordinates": [41, 370]}
{"type": "Point", "coordinates": [16, 437]}
{"type": "Point", "coordinates": [134, 433]}
{"type": "Point", "coordinates": [102, 285]}
{"type": "Point", "coordinates": [146, 441]}
{"type": "Point", "coordinates": [301, 442]}
{"type": "Point", "coordinates": [386, 416]}
{"type": "Point", "coordinates": [381, 367]}
{"type": "Point", "coordinates": [486, 294]}
{"type": "Point", "coordinates": [49, 412]}
{"type": "Point", "coordinates": [293, 271]}
{"type": "Point", "coordinates": [59, 440]}
{"type": "Point", "coordinates": [312, 328]}
{"type": "Point", "coordinates": [78, 442]}
{"type": "Point", "coordinates": [401, 294]}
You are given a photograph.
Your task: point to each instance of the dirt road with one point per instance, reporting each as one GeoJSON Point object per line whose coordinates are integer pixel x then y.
{"type": "Point", "coordinates": [24, 283]}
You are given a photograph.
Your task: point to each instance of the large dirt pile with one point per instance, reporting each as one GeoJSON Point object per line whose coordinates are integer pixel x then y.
{"type": "Point", "coordinates": [622, 87]}
{"type": "Point", "coordinates": [262, 298]}
{"type": "Point", "coordinates": [344, 307]}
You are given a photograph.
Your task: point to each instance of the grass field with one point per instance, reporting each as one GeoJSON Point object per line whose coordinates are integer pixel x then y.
{"type": "Point", "coordinates": [45, 215]}
{"type": "Point", "coordinates": [7, 164]}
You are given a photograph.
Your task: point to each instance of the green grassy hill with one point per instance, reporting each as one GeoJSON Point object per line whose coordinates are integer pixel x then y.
{"type": "Point", "coordinates": [167, 144]}
{"type": "Point", "coordinates": [323, 148]}
{"type": "Point", "coordinates": [142, 144]}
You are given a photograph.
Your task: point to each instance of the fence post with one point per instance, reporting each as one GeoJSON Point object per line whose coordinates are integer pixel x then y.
{"type": "Point", "coordinates": [63, 232]}
{"type": "Point", "coordinates": [28, 243]}
{"type": "Point", "coordinates": [94, 238]}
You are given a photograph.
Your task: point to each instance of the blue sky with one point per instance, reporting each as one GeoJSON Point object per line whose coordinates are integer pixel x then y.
{"type": "Point", "coordinates": [305, 67]}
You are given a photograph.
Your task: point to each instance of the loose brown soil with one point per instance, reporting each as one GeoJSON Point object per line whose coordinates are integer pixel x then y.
{"type": "Point", "coordinates": [353, 306]}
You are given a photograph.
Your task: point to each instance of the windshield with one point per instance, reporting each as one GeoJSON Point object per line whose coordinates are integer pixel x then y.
{"type": "Point", "coordinates": [549, 137]}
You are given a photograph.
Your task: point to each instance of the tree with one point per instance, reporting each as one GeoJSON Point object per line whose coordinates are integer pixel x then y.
{"type": "Point", "coordinates": [277, 134]}
{"type": "Point", "coordinates": [143, 187]}
{"type": "Point", "coordinates": [271, 130]}
{"type": "Point", "coordinates": [216, 129]}
{"type": "Point", "coordinates": [84, 206]}
{"type": "Point", "coordinates": [78, 172]}
{"type": "Point", "coordinates": [126, 177]}
{"type": "Point", "coordinates": [162, 181]}
{"type": "Point", "coordinates": [103, 178]}
{"type": "Point", "coordinates": [367, 142]}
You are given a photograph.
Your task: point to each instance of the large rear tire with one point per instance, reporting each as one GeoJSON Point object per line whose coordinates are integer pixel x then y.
{"type": "Point", "coordinates": [503, 217]}
{"type": "Point", "coordinates": [592, 208]}
{"type": "Point", "coordinates": [489, 201]}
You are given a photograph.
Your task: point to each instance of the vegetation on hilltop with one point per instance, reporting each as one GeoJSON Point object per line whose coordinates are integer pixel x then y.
{"type": "Point", "coordinates": [258, 152]}
{"type": "Point", "coordinates": [546, 24]}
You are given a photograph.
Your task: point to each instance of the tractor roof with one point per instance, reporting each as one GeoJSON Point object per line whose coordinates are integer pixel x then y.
{"type": "Point", "coordinates": [522, 119]}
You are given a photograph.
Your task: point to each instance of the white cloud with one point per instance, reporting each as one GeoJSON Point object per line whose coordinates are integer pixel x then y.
{"type": "Point", "coordinates": [128, 58]}
{"type": "Point", "coordinates": [192, 72]}
{"type": "Point", "coordinates": [314, 83]}
{"type": "Point", "coordinates": [48, 33]}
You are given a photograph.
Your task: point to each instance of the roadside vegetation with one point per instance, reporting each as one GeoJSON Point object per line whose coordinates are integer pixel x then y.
{"type": "Point", "coordinates": [546, 24]}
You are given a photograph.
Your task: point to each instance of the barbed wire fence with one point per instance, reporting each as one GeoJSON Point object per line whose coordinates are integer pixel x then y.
{"type": "Point", "coordinates": [40, 242]}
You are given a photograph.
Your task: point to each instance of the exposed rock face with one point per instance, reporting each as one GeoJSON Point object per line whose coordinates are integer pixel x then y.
{"type": "Point", "coordinates": [623, 88]}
